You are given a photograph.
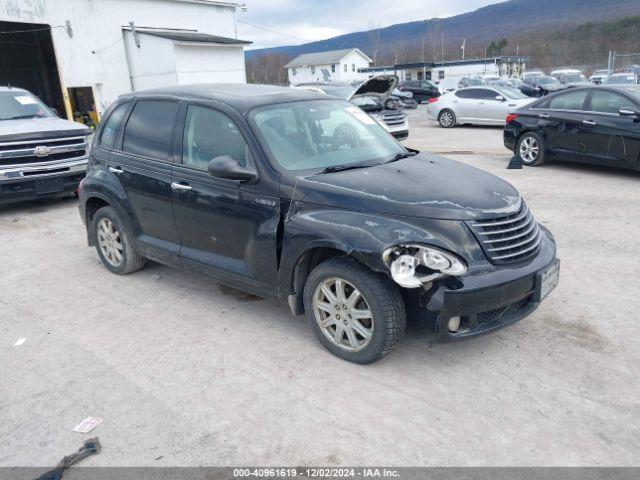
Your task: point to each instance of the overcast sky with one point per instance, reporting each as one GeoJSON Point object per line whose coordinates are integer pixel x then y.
{"type": "Point", "coordinates": [310, 20]}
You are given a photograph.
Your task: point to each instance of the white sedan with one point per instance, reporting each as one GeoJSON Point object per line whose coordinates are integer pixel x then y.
{"type": "Point", "coordinates": [476, 105]}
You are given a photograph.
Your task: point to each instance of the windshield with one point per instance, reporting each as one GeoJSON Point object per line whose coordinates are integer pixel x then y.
{"type": "Point", "coordinates": [575, 78]}
{"type": "Point", "coordinates": [342, 91]}
{"type": "Point", "coordinates": [620, 79]}
{"type": "Point", "coordinates": [20, 104]}
{"type": "Point", "coordinates": [511, 93]}
{"type": "Point", "coordinates": [319, 134]}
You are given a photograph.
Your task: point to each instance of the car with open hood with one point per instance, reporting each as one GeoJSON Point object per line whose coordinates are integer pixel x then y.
{"type": "Point", "coordinates": [374, 96]}
{"type": "Point", "coordinates": [304, 198]}
{"type": "Point", "coordinates": [41, 154]}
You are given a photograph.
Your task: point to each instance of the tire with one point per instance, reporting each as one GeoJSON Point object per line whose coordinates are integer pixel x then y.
{"type": "Point", "coordinates": [114, 243]}
{"type": "Point", "coordinates": [378, 304]}
{"type": "Point", "coordinates": [447, 119]}
{"type": "Point", "coordinates": [530, 147]}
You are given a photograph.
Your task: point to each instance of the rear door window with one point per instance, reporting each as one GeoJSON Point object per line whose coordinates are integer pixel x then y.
{"type": "Point", "coordinates": [568, 101]}
{"type": "Point", "coordinates": [609, 102]}
{"type": "Point", "coordinates": [112, 127]}
{"type": "Point", "coordinates": [472, 93]}
{"type": "Point", "coordinates": [148, 131]}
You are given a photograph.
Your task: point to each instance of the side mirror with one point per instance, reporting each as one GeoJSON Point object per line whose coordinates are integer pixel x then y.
{"type": "Point", "coordinates": [629, 112]}
{"type": "Point", "coordinates": [230, 169]}
{"type": "Point", "coordinates": [500, 98]}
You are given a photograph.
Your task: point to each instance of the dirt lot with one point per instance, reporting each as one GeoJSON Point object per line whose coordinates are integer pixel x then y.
{"type": "Point", "coordinates": [185, 372]}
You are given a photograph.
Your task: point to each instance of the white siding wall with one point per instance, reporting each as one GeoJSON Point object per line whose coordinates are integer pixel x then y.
{"type": "Point", "coordinates": [152, 65]}
{"type": "Point", "coordinates": [209, 63]}
{"type": "Point", "coordinates": [350, 75]}
{"type": "Point", "coordinates": [304, 74]}
{"type": "Point", "coordinates": [95, 56]}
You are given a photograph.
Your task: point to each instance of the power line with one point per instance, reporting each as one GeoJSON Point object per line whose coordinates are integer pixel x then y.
{"type": "Point", "coordinates": [273, 31]}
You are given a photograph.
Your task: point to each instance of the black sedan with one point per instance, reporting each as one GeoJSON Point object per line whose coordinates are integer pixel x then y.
{"type": "Point", "coordinates": [593, 125]}
{"type": "Point", "coordinates": [422, 90]}
{"type": "Point", "coordinates": [541, 86]}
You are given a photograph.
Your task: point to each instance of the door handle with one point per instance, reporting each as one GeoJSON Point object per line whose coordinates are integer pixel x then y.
{"type": "Point", "coordinates": [544, 115]}
{"type": "Point", "coordinates": [590, 123]}
{"type": "Point", "coordinates": [116, 170]}
{"type": "Point", "coordinates": [180, 186]}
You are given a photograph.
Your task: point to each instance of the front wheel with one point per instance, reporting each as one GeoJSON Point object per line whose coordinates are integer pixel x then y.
{"type": "Point", "coordinates": [447, 119]}
{"type": "Point", "coordinates": [531, 149]}
{"type": "Point", "coordinates": [357, 314]}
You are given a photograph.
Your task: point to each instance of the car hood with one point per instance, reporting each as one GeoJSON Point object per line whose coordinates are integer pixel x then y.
{"type": "Point", "coordinates": [37, 128]}
{"type": "Point", "coordinates": [425, 186]}
{"type": "Point", "coordinates": [380, 87]}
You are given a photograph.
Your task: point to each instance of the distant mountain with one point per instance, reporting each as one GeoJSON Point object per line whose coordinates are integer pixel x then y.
{"type": "Point", "coordinates": [403, 42]}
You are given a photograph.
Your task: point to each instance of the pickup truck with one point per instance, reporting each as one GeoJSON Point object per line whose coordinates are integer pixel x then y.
{"type": "Point", "coordinates": [41, 155]}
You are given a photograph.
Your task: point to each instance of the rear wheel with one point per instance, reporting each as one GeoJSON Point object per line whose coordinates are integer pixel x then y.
{"type": "Point", "coordinates": [114, 243]}
{"type": "Point", "coordinates": [356, 314]}
{"type": "Point", "coordinates": [447, 118]}
{"type": "Point", "coordinates": [531, 149]}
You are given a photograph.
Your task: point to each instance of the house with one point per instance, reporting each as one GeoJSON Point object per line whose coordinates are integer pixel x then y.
{"type": "Point", "coordinates": [79, 56]}
{"type": "Point", "coordinates": [333, 66]}
{"type": "Point", "coordinates": [505, 66]}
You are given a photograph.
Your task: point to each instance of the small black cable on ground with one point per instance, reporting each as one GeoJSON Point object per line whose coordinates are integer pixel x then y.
{"type": "Point", "coordinates": [90, 447]}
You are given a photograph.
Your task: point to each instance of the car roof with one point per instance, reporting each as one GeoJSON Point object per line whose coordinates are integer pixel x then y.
{"type": "Point", "coordinates": [12, 89]}
{"type": "Point", "coordinates": [242, 97]}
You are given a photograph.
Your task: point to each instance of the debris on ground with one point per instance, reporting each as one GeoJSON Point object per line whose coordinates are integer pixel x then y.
{"type": "Point", "coordinates": [88, 424]}
{"type": "Point", "coordinates": [91, 447]}
{"type": "Point", "coordinates": [19, 342]}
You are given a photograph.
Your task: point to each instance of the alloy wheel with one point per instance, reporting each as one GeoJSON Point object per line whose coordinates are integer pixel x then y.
{"type": "Point", "coordinates": [343, 314]}
{"type": "Point", "coordinates": [529, 149]}
{"type": "Point", "coordinates": [110, 242]}
{"type": "Point", "coordinates": [446, 119]}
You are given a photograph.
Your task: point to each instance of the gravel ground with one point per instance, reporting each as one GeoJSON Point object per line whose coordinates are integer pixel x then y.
{"type": "Point", "coordinates": [185, 372]}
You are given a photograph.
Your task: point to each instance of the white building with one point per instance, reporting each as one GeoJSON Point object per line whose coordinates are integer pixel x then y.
{"type": "Point", "coordinates": [506, 66]}
{"type": "Point", "coordinates": [333, 66]}
{"type": "Point", "coordinates": [80, 55]}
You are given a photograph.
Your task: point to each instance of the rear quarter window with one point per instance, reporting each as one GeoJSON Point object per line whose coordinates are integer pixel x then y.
{"type": "Point", "coordinates": [111, 126]}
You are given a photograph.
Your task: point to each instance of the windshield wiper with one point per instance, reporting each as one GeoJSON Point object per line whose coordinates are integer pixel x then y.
{"type": "Point", "coordinates": [342, 168]}
{"type": "Point", "coordinates": [401, 155]}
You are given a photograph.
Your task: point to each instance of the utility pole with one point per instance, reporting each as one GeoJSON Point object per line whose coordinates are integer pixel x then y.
{"type": "Point", "coordinates": [442, 48]}
{"type": "Point", "coordinates": [464, 42]}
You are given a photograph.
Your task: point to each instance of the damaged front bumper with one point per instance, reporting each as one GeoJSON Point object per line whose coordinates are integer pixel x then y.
{"type": "Point", "coordinates": [488, 300]}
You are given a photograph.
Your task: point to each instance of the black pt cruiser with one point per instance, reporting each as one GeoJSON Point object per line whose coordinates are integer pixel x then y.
{"type": "Point", "coordinates": [294, 195]}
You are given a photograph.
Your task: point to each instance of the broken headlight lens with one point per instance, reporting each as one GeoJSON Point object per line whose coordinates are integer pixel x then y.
{"type": "Point", "coordinates": [413, 266]}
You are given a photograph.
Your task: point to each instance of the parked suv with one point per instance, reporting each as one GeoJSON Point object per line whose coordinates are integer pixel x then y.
{"type": "Point", "coordinates": [422, 90]}
{"type": "Point", "coordinates": [304, 198]}
{"type": "Point", "coordinates": [41, 155]}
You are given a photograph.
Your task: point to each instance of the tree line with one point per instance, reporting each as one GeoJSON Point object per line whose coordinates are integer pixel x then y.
{"type": "Point", "coordinates": [586, 46]}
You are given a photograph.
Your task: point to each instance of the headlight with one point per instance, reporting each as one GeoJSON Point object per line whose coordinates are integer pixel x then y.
{"type": "Point", "coordinates": [412, 266]}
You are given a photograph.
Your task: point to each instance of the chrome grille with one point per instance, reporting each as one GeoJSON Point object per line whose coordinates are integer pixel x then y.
{"type": "Point", "coordinates": [394, 119]}
{"type": "Point", "coordinates": [41, 151]}
{"type": "Point", "coordinates": [509, 238]}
